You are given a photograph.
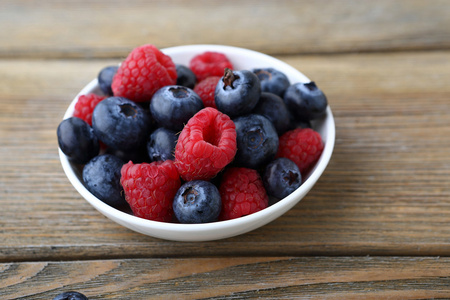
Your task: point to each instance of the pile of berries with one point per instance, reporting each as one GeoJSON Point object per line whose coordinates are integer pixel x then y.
{"type": "Point", "coordinates": [193, 143]}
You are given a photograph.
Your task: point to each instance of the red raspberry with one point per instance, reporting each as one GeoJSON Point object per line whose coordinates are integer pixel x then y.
{"type": "Point", "coordinates": [142, 73]}
{"type": "Point", "coordinates": [206, 145]}
{"type": "Point", "coordinates": [150, 188]}
{"type": "Point", "coordinates": [85, 106]}
{"type": "Point", "coordinates": [209, 64]}
{"type": "Point", "coordinates": [303, 146]}
{"type": "Point", "coordinates": [205, 89]}
{"type": "Point", "coordinates": [242, 193]}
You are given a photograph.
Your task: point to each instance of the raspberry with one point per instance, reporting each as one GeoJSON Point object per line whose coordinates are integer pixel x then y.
{"type": "Point", "coordinates": [242, 193]}
{"type": "Point", "coordinates": [142, 73]}
{"type": "Point", "coordinates": [303, 146]}
{"type": "Point", "coordinates": [150, 188]}
{"type": "Point", "coordinates": [85, 106]}
{"type": "Point", "coordinates": [208, 64]}
{"type": "Point", "coordinates": [206, 145]}
{"type": "Point", "coordinates": [205, 89]}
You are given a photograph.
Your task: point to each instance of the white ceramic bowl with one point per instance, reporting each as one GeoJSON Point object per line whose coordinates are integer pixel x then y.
{"type": "Point", "coordinates": [241, 59]}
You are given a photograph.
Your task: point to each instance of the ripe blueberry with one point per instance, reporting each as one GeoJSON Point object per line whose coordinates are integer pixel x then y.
{"type": "Point", "coordinates": [105, 78]}
{"type": "Point", "coordinates": [172, 106]}
{"type": "Point", "coordinates": [121, 123]}
{"type": "Point", "coordinates": [257, 141]}
{"type": "Point", "coordinates": [185, 76]}
{"type": "Point", "coordinates": [161, 144]}
{"type": "Point", "coordinates": [101, 175]}
{"type": "Point", "coordinates": [237, 92]}
{"type": "Point", "coordinates": [305, 101]}
{"type": "Point", "coordinates": [281, 177]}
{"type": "Point", "coordinates": [77, 140]}
{"type": "Point", "coordinates": [197, 201]}
{"type": "Point", "coordinates": [70, 296]}
{"type": "Point", "coordinates": [272, 80]}
{"type": "Point", "coordinates": [273, 108]}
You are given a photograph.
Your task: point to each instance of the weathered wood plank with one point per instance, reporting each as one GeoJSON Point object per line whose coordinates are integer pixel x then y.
{"type": "Point", "coordinates": [86, 28]}
{"type": "Point", "coordinates": [385, 191]}
{"type": "Point", "coordinates": [232, 278]}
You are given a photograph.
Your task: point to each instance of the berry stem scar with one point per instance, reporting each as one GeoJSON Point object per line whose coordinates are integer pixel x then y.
{"type": "Point", "coordinates": [229, 78]}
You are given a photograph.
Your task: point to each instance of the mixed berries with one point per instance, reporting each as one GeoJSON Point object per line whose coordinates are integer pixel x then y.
{"type": "Point", "coordinates": [193, 143]}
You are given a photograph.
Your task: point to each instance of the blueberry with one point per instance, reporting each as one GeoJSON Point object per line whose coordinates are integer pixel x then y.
{"type": "Point", "coordinates": [172, 106]}
{"type": "Point", "coordinates": [197, 201]}
{"type": "Point", "coordinates": [257, 141]}
{"type": "Point", "coordinates": [185, 76]}
{"type": "Point", "coordinates": [101, 176]}
{"type": "Point", "coordinates": [281, 177]}
{"type": "Point", "coordinates": [272, 80]}
{"type": "Point", "coordinates": [305, 101]}
{"type": "Point", "coordinates": [105, 78]}
{"type": "Point", "coordinates": [237, 92]}
{"type": "Point", "coordinates": [121, 123]}
{"type": "Point", "coordinates": [77, 140]}
{"type": "Point", "coordinates": [161, 144]}
{"type": "Point", "coordinates": [70, 296]}
{"type": "Point", "coordinates": [273, 108]}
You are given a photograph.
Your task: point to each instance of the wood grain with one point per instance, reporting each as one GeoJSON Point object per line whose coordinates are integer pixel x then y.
{"type": "Point", "coordinates": [232, 278]}
{"type": "Point", "coordinates": [384, 192]}
{"type": "Point", "coordinates": [87, 29]}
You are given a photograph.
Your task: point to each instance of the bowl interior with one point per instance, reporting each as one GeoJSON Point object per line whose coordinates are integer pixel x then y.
{"type": "Point", "coordinates": [241, 59]}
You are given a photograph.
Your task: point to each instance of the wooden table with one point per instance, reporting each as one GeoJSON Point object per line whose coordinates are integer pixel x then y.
{"type": "Point", "coordinates": [375, 226]}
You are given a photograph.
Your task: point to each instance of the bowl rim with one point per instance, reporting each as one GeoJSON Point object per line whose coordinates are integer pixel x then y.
{"type": "Point", "coordinates": [261, 217]}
